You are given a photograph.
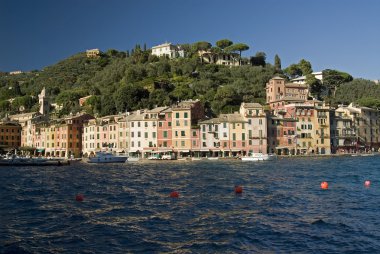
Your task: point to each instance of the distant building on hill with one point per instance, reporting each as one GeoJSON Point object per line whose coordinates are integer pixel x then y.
{"type": "Point", "coordinates": [15, 72]}
{"type": "Point", "coordinates": [93, 53]}
{"type": "Point", "coordinates": [168, 49]}
{"type": "Point", "coordinates": [302, 79]}
{"type": "Point", "coordinates": [229, 59]}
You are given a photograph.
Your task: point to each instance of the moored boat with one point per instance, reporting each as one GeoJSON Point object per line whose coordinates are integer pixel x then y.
{"type": "Point", "coordinates": [106, 157]}
{"type": "Point", "coordinates": [259, 157]}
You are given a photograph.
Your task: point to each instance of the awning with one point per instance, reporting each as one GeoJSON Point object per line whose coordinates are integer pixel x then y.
{"type": "Point", "coordinates": [41, 150]}
{"type": "Point", "coordinates": [183, 151]}
{"type": "Point", "coordinates": [205, 150]}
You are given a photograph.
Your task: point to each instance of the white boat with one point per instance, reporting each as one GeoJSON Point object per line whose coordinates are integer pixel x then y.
{"type": "Point", "coordinates": [132, 159]}
{"type": "Point", "coordinates": [259, 157]}
{"type": "Point", "coordinates": [106, 157]}
{"type": "Point", "coordinates": [213, 158]}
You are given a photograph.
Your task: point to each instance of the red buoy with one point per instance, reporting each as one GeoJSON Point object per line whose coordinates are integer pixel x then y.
{"type": "Point", "coordinates": [174, 194]}
{"type": "Point", "coordinates": [238, 190]}
{"type": "Point", "coordinates": [324, 185]}
{"type": "Point", "coordinates": [79, 197]}
{"type": "Point", "coordinates": [367, 183]}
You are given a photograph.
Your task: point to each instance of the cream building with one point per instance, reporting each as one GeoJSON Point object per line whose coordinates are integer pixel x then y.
{"type": "Point", "coordinates": [169, 50]}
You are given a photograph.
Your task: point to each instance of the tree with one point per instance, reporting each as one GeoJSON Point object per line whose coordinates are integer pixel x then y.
{"type": "Point", "coordinates": [202, 45]}
{"type": "Point", "coordinates": [277, 63]}
{"type": "Point", "coordinates": [237, 47]}
{"type": "Point", "coordinates": [332, 79]}
{"type": "Point", "coordinates": [305, 67]}
{"type": "Point", "coordinates": [258, 59]}
{"type": "Point", "coordinates": [224, 43]}
{"type": "Point", "coordinates": [315, 86]}
{"type": "Point", "coordinates": [293, 71]}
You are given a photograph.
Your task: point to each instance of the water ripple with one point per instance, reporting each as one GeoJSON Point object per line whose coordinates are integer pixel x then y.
{"type": "Point", "coordinates": [127, 208]}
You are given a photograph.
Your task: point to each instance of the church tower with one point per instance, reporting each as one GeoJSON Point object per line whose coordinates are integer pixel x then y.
{"type": "Point", "coordinates": [44, 103]}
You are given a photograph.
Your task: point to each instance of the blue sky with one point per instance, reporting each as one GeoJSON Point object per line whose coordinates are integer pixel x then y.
{"type": "Point", "coordinates": [331, 34]}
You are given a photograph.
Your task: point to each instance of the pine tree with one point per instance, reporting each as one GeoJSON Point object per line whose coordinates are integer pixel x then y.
{"type": "Point", "coordinates": [277, 63]}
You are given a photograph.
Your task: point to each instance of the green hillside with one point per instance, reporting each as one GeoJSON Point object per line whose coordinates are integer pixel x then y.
{"type": "Point", "coordinates": [120, 81]}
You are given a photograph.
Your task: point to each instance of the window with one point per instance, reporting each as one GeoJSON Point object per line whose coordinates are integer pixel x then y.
{"type": "Point", "coordinates": [139, 143]}
{"type": "Point", "coordinates": [169, 124]}
{"type": "Point", "coordinates": [138, 134]}
{"type": "Point", "coordinates": [132, 124]}
{"type": "Point", "coordinates": [233, 126]}
{"type": "Point", "coordinates": [186, 122]}
{"type": "Point", "coordinates": [185, 115]}
{"type": "Point", "coordinates": [132, 134]}
{"type": "Point", "coordinates": [224, 134]}
{"type": "Point", "coordinates": [233, 136]}
{"type": "Point", "coordinates": [159, 124]}
{"type": "Point", "coordinates": [182, 133]}
{"type": "Point", "coordinates": [145, 134]}
{"type": "Point", "coordinates": [176, 133]}
{"type": "Point", "coordinates": [260, 121]}
{"type": "Point", "coordinates": [233, 144]}
{"type": "Point", "coordinates": [182, 143]}
{"type": "Point", "coordinates": [194, 143]}
{"type": "Point", "coordinates": [177, 123]}
{"type": "Point", "coordinates": [165, 144]}
{"type": "Point", "coordinates": [177, 115]}
{"type": "Point", "coordinates": [165, 134]}
{"type": "Point", "coordinates": [138, 124]}
{"type": "Point", "coordinates": [224, 125]}
{"type": "Point", "coordinates": [249, 122]}
{"type": "Point", "coordinates": [224, 144]}
{"type": "Point", "coordinates": [146, 124]}
{"type": "Point", "coordinates": [154, 134]}
{"type": "Point", "coordinates": [203, 135]}
{"type": "Point", "coordinates": [243, 136]}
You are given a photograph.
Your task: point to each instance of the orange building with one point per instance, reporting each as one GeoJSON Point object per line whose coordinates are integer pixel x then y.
{"type": "Point", "coordinates": [10, 135]}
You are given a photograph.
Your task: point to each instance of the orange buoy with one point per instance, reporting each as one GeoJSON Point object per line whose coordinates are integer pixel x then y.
{"type": "Point", "coordinates": [367, 183]}
{"type": "Point", "coordinates": [238, 189]}
{"type": "Point", "coordinates": [324, 185]}
{"type": "Point", "coordinates": [174, 194]}
{"type": "Point", "coordinates": [79, 197]}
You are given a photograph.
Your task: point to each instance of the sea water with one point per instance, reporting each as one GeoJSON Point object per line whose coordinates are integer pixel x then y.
{"type": "Point", "coordinates": [127, 207]}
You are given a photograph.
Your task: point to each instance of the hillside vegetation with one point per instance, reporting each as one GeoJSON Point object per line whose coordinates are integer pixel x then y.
{"type": "Point", "coordinates": [121, 82]}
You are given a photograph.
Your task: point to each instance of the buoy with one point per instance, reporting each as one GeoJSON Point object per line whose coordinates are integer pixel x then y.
{"type": "Point", "coordinates": [324, 185]}
{"type": "Point", "coordinates": [238, 189]}
{"type": "Point", "coordinates": [79, 197]}
{"type": "Point", "coordinates": [174, 194]}
{"type": "Point", "coordinates": [367, 183]}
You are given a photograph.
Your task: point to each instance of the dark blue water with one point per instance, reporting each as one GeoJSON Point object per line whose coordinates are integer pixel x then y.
{"type": "Point", "coordinates": [127, 208]}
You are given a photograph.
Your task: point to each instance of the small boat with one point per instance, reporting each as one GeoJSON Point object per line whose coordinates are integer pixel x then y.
{"type": "Point", "coordinates": [259, 157]}
{"type": "Point", "coordinates": [132, 159]}
{"type": "Point", "coordinates": [106, 157]}
{"type": "Point", "coordinates": [213, 158]}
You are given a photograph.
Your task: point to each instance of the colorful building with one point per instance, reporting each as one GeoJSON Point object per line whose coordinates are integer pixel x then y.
{"type": "Point", "coordinates": [257, 128]}
{"type": "Point", "coordinates": [10, 135]}
{"type": "Point", "coordinates": [185, 115]}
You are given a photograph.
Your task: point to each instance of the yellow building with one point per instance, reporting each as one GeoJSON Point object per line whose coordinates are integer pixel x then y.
{"type": "Point", "coordinates": [184, 115]}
